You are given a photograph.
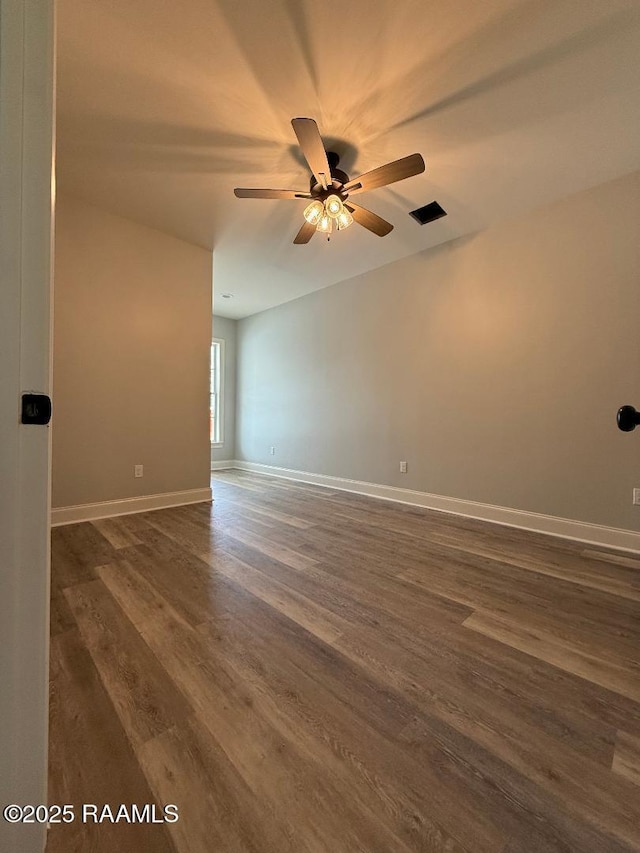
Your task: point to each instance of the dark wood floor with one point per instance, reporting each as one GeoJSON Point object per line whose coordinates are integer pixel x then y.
{"type": "Point", "coordinates": [306, 670]}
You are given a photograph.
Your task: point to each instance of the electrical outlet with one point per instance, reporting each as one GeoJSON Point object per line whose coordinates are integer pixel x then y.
{"type": "Point", "coordinates": [138, 470]}
{"type": "Point", "coordinates": [636, 497]}
{"type": "Point", "coordinates": [272, 450]}
{"type": "Point", "coordinates": [403, 467]}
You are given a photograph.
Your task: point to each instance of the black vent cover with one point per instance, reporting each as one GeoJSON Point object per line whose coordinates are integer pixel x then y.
{"type": "Point", "coordinates": [428, 213]}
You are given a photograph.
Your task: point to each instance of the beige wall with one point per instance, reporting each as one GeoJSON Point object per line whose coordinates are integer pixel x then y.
{"type": "Point", "coordinates": [494, 365]}
{"type": "Point", "coordinates": [132, 330]}
{"type": "Point", "coordinates": [225, 329]}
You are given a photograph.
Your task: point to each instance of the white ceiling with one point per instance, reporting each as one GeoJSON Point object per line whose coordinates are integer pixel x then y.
{"type": "Point", "coordinates": [164, 106]}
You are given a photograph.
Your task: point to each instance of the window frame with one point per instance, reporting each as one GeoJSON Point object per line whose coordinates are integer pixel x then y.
{"type": "Point", "coordinates": [220, 391]}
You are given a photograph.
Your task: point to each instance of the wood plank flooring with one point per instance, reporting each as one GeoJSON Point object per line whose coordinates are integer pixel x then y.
{"type": "Point", "coordinates": [305, 670]}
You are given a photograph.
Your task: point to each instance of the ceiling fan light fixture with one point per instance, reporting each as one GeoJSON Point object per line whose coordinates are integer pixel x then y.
{"type": "Point", "coordinates": [333, 206]}
{"type": "Point", "coordinates": [330, 187]}
{"type": "Point", "coordinates": [313, 212]}
{"type": "Point", "coordinates": [325, 226]}
{"type": "Point", "coordinates": [344, 220]}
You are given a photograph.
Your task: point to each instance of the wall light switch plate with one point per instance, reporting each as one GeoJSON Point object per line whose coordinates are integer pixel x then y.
{"type": "Point", "coordinates": [138, 470]}
{"type": "Point", "coordinates": [636, 497]}
{"type": "Point", "coordinates": [403, 467]}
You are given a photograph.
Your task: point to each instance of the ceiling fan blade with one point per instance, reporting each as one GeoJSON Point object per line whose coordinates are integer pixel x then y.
{"type": "Point", "coordinates": [369, 220]}
{"type": "Point", "coordinates": [313, 149]}
{"type": "Point", "coordinates": [406, 167]}
{"type": "Point", "coordinates": [241, 192]}
{"type": "Point", "coordinates": [305, 233]}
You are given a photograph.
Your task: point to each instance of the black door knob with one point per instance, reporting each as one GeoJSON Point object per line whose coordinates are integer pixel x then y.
{"type": "Point", "coordinates": [628, 419]}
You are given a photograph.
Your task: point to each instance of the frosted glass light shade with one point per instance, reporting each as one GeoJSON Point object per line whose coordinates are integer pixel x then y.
{"type": "Point", "coordinates": [313, 212]}
{"type": "Point", "coordinates": [344, 220]}
{"type": "Point", "coordinates": [333, 206]}
{"type": "Point", "coordinates": [325, 226]}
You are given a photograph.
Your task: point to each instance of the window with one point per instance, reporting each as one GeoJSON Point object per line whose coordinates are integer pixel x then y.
{"type": "Point", "coordinates": [215, 392]}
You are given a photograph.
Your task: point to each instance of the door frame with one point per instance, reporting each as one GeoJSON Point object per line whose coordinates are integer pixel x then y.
{"type": "Point", "coordinates": [27, 156]}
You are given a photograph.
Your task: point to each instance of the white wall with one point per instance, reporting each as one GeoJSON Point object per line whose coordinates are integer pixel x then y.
{"type": "Point", "coordinates": [132, 337]}
{"type": "Point", "coordinates": [494, 365]}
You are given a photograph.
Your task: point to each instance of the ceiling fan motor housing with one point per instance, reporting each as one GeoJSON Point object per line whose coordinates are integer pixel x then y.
{"type": "Point", "coordinates": [337, 175]}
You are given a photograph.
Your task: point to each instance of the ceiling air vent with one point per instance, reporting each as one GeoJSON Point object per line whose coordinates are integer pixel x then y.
{"type": "Point", "coordinates": [428, 213]}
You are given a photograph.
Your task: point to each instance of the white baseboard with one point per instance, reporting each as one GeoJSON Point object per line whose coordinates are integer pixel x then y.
{"type": "Point", "coordinates": [222, 464]}
{"type": "Point", "coordinates": [107, 509]}
{"type": "Point", "coordinates": [593, 534]}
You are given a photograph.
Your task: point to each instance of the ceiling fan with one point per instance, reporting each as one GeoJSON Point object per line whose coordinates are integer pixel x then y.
{"type": "Point", "coordinates": [330, 188]}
